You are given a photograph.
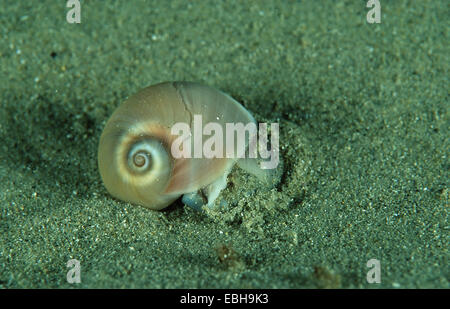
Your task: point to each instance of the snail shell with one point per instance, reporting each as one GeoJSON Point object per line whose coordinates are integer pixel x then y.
{"type": "Point", "coordinates": [134, 154]}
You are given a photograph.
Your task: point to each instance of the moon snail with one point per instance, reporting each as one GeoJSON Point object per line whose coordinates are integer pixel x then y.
{"type": "Point", "coordinates": [135, 158]}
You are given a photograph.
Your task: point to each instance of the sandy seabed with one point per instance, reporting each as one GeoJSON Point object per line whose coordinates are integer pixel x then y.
{"type": "Point", "coordinates": [363, 115]}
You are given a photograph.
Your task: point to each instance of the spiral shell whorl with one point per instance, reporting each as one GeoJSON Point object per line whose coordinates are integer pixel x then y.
{"type": "Point", "coordinates": [140, 165]}
{"type": "Point", "coordinates": [144, 156]}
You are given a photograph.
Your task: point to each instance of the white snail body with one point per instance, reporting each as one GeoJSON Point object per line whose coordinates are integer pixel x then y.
{"type": "Point", "coordinates": [134, 156]}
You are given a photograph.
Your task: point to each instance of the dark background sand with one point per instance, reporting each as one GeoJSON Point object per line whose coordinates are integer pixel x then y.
{"type": "Point", "coordinates": [363, 113]}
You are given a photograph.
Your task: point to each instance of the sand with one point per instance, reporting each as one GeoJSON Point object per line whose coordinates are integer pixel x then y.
{"type": "Point", "coordinates": [363, 115]}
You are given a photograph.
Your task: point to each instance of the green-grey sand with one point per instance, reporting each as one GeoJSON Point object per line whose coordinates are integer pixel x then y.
{"type": "Point", "coordinates": [363, 115]}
